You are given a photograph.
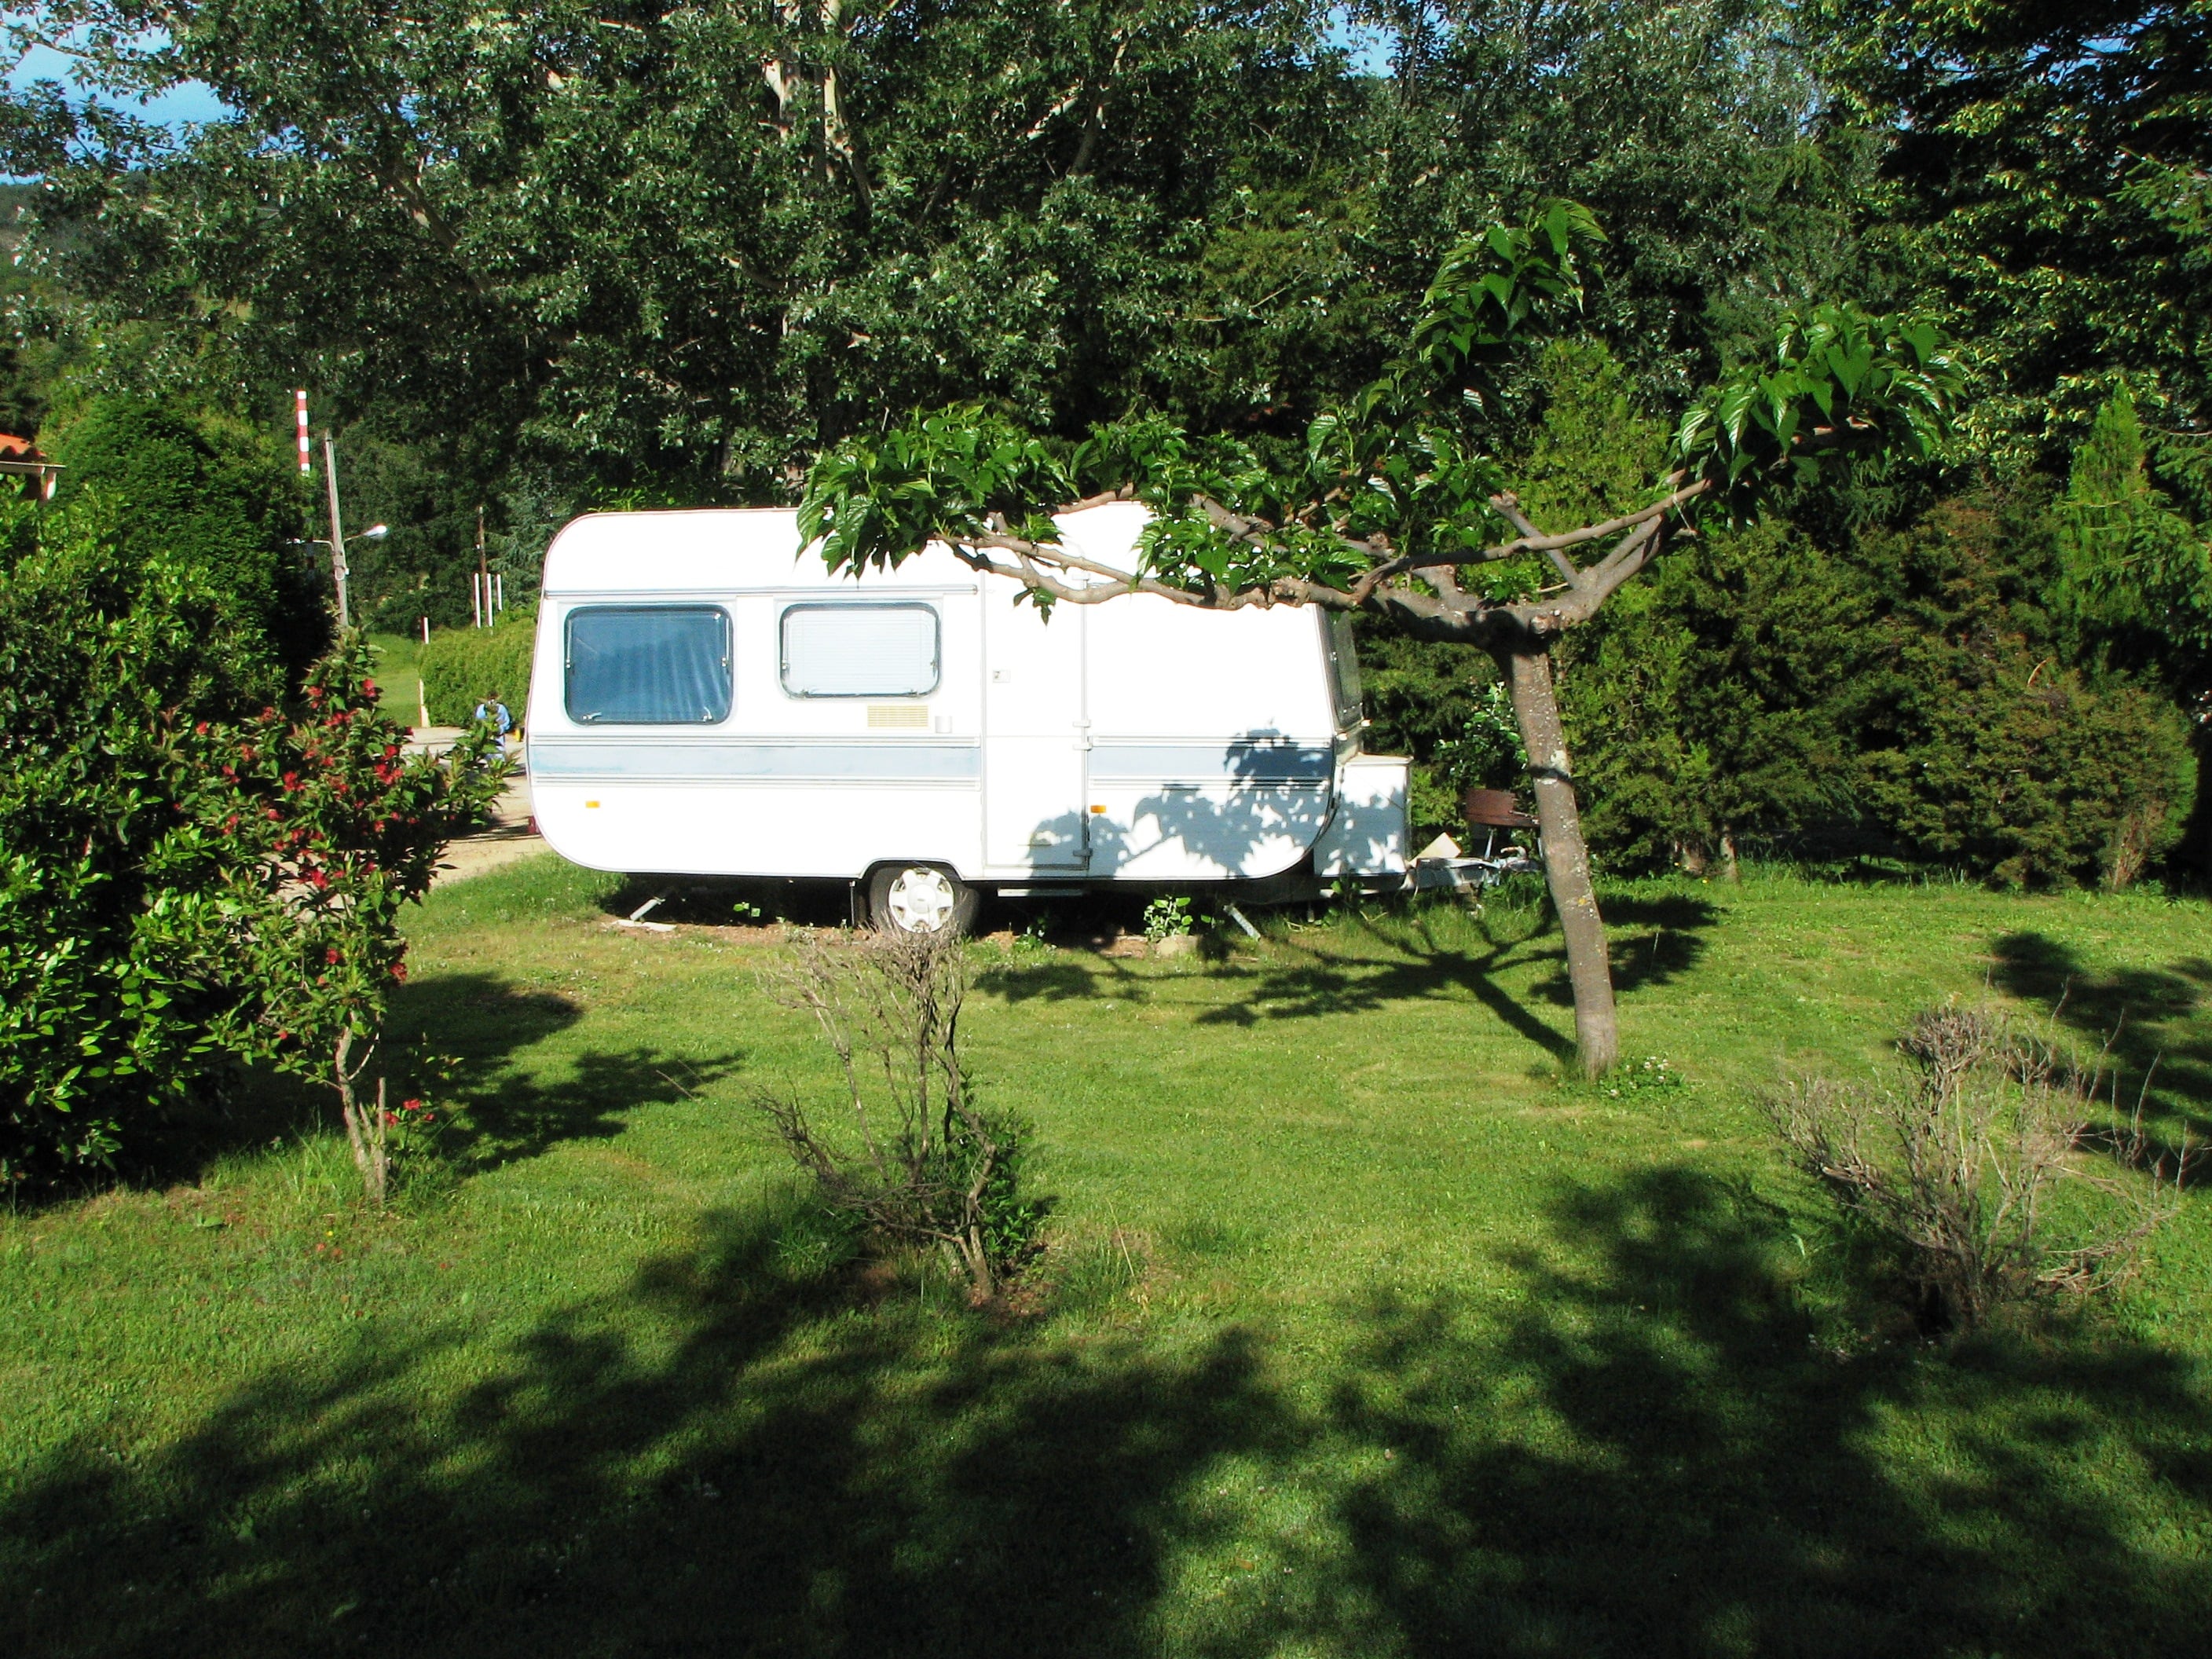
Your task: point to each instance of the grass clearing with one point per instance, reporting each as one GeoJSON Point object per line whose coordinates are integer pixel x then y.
{"type": "Point", "coordinates": [1373, 1334]}
{"type": "Point", "coordinates": [398, 676]}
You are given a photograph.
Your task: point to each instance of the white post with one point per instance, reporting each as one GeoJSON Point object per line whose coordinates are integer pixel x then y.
{"type": "Point", "coordinates": [475, 602]}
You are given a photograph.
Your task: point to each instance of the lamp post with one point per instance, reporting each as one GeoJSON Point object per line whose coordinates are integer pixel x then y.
{"type": "Point", "coordinates": [337, 529]}
{"type": "Point", "coordinates": [337, 541]}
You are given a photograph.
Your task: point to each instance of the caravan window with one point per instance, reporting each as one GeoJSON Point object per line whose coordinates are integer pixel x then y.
{"type": "Point", "coordinates": [859, 650]}
{"type": "Point", "coordinates": [648, 665]}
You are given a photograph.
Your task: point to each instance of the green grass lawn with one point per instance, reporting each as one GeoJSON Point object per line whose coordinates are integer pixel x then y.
{"type": "Point", "coordinates": [398, 668]}
{"type": "Point", "coordinates": [1368, 1332]}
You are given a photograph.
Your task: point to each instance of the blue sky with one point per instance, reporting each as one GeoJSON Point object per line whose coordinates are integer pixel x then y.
{"type": "Point", "coordinates": [191, 102]}
{"type": "Point", "coordinates": [194, 101]}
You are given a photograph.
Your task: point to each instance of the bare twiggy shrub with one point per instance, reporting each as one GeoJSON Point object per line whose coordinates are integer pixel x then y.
{"type": "Point", "coordinates": [1960, 1163]}
{"type": "Point", "coordinates": [919, 1161]}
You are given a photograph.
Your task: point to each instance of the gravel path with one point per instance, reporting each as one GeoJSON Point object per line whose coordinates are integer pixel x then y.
{"type": "Point", "coordinates": [510, 837]}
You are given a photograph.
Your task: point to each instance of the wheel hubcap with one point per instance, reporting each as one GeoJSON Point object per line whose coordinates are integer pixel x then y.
{"type": "Point", "coordinates": [920, 901]}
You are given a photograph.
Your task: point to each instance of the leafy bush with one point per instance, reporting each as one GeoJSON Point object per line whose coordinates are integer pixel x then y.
{"type": "Point", "coordinates": [1912, 696]}
{"type": "Point", "coordinates": [2130, 562]}
{"type": "Point", "coordinates": [1981, 747]}
{"type": "Point", "coordinates": [108, 655]}
{"type": "Point", "coordinates": [1167, 916]}
{"type": "Point", "coordinates": [921, 1162]}
{"type": "Point", "coordinates": [1958, 1167]}
{"type": "Point", "coordinates": [184, 879]}
{"type": "Point", "coordinates": [213, 499]}
{"type": "Point", "coordinates": [461, 666]}
{"type": "Point", "coordinates": [2029, 773]}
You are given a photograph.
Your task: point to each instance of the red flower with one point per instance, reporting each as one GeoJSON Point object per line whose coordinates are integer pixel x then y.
{"type": "Point", "coordinates": [201, 730]}
{"type": "Point", "coordinates": [368, 689]}
{"type": "Point", "coordinates": [291, 780]}
{"type": "Point", "coordinates": [330, 956]}
{"type": "Point", "coordinates": [399, 972]}
{"type": "Point", "coordinates": [316, 878]}
{"type": "Point", "coordinates": [411, 1105]}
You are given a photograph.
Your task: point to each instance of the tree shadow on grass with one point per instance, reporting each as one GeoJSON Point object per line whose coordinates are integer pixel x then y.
{"type": "Point", "coordinates": [477, 1022]}
{"type": "Point", "coordinates": [1656, 940]}
{"type": "Point", "coordinates": [473, 1027]}
{"type": "Point", "coordinates": [1643, 1449]}
{"type": "Point", "coordinates": [1653, 941]}
{"type": "Point", "coordinates": [2154, 1024]}
{"type": "Point", "coordinates": [1374, 959]}
{"type": "Point", "coordinates": [722, 1459]}
{"type": "Point", "coordinates": [1677, 1465]}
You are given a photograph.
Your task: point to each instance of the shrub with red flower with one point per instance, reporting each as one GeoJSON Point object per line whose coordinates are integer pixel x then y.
{"type": "Point", "coordinates": [332, 830]}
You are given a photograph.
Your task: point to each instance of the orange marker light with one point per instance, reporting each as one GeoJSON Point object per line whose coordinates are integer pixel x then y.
{"type": "Point", "coordinates": [1098, 809]}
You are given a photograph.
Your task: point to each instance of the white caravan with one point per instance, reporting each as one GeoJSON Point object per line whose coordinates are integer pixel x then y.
{"type": "Point", "coordinates": [709, 701]}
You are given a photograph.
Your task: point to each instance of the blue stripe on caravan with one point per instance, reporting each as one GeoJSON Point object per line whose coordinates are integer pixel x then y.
{"type": "Point", "coordinates": [741, 762]}
{"type": "Point", "coordinates": [1184, 762]}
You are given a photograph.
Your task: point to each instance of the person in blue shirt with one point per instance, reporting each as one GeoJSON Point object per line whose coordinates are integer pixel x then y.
{"type": "Point", "coordinates": [495, 713]}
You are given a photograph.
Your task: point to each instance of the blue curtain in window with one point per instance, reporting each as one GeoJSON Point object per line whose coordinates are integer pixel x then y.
{"type": "Point", "coordinates": [666, 664]}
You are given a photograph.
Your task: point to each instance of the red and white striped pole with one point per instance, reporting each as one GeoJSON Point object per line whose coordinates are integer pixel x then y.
{"type": "Point", "coordinates": [300, 397]}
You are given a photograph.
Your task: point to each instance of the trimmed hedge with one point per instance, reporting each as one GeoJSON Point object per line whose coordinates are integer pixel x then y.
{"type": "Point", "coordinates": [461, 666]}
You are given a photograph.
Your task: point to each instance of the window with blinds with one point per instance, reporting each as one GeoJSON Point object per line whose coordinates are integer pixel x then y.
{"type": "Point", "coordinates": [860, 650]}
{"type": "Point", "coordinates": [658, 664]}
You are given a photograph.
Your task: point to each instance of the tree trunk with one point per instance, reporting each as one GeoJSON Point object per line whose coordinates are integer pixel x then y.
{"type": "Point", "coordinates": [1566, 858]}
{"type": "Point", "coordinates": [365, 1134]}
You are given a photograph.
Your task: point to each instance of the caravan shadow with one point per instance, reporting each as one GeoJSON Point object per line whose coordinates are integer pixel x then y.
{"type": "Point", "coordinates": [719, 901]}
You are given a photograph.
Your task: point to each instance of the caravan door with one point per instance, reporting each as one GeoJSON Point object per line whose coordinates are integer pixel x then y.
{"type": "Point", "coordinates": [1034, 738]}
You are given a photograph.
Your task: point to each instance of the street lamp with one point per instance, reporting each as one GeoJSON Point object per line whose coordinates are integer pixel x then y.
{"type": "Point", "coordinates": [337, 543]}
{"type": "Point", "coordinates": [337, 540]}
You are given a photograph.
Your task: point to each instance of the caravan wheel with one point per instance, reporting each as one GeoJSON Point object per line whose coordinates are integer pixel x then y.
{"type": "Point", "coordinates": [920, 898]}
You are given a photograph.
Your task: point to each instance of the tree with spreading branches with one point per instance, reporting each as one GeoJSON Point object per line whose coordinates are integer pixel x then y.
{"type": "Point", "coordinates": [1396, 505]}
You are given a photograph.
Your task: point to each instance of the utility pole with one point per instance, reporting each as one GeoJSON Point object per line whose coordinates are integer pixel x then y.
{"type": "Point", "coordinates": [337, 530]}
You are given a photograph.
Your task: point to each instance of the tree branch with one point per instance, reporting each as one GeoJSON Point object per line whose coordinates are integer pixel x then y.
{"type": "Point", "coordinates": [1450, 613]}
{"type": "Point", "coordinates": [1509, 508]}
